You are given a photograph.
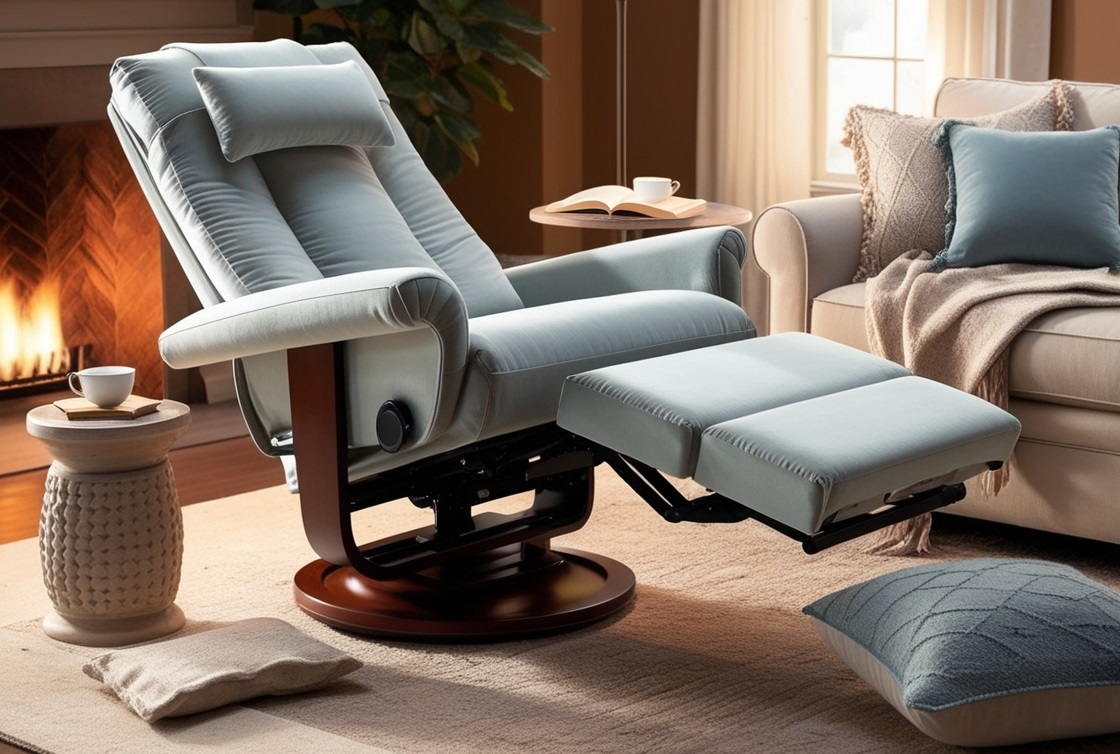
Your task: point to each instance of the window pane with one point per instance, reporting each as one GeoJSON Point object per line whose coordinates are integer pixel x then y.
{"type": "Point", "coordinates": [910, 87]}
{"type": "Point", "coordinates": [861, 27]}
{"type": "Point", "coordinates": [853, 82]}
{"type": "Point", "coordinates": [913, 17]}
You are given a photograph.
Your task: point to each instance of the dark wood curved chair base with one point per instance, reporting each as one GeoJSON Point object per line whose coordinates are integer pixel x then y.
{"type": "Point", "coordinates": [508, 594]}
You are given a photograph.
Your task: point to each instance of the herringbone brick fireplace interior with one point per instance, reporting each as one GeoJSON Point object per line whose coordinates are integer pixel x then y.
{"type": "Point", "coordinates": [73, 216]}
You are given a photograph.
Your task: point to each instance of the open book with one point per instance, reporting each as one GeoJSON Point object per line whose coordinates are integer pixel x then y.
{"type": "Point", "coordinates": [615, 199]}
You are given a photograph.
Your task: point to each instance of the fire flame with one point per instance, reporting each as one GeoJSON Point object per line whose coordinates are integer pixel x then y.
{"type": "Point", "coordinates": [31, 341]}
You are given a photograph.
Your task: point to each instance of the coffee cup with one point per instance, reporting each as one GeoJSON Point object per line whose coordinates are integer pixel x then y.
{"type": "Point", "coordinates": [103, 386]}
{"type": "Point", "coordinates": [652, 189]}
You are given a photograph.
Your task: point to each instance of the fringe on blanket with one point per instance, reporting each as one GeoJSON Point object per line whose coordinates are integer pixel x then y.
{"type": "Point", "coordinates": [911, 537]}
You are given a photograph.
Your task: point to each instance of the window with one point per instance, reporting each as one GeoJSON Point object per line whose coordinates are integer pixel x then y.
{"type": "Point", "coordinates": [870, 52]}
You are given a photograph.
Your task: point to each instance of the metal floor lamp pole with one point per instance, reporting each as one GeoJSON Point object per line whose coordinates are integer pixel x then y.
{"type": "Point", "coordinates": [620, 93]}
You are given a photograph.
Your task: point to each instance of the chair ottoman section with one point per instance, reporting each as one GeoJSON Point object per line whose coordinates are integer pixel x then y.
{"type": "Point", "coordinates": [808, 463]}
{"type": "Point", "coordinates": [656, 410]}
{"type": "Point", "coordinates": [808, 436]}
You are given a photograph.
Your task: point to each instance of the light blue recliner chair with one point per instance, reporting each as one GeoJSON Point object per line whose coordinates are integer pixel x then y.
{"type": "Point", "coordinates": [378, 342]}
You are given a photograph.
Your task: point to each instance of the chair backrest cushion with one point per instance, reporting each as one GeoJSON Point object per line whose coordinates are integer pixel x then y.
{"type": "Point", "coordinates": [311, 208]}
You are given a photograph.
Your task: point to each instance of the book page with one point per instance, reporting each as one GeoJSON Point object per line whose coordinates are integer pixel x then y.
{"type": "Point", "coordinates": [603, 198]}
{"type": "Point", "coordinates": [613, 199]}
{"type": "Point", "coordinates": [673, 207]}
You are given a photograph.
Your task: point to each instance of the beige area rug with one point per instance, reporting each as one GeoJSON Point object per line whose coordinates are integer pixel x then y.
{"type": "Point", "coordinates": [713, 656]}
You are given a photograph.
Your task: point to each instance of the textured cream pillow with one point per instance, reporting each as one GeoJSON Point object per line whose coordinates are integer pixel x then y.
{"type": "Point", "coordinates": [256, 657]}
{"type": "Point", "coordinates": [902, 176]}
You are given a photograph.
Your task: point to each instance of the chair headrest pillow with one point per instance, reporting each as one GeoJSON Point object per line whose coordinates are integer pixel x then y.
{"type": "Point", "coordinates": [262, 109]}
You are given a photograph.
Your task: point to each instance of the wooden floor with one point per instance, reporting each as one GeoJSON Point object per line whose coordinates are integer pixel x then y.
{"type": "Point", "coordinates": [202, 472]}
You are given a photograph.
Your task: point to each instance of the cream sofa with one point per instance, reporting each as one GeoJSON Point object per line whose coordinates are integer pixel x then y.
{"type": "Point", "coordinates": [1065, 367]}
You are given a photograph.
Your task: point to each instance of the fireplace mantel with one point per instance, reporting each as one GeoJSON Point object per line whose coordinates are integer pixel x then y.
{"type": "Point", "coordinates": [55, 54]}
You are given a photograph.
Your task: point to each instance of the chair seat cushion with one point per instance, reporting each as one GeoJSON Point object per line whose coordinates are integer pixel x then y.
{"type": "Point", "coordinates": [520, 359]}
{"type": "Point", "coordinates": [657, 410]}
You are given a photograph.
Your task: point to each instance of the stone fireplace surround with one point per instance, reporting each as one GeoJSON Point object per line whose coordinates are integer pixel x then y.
{"type": "Point", "coordinates": [71, 210]}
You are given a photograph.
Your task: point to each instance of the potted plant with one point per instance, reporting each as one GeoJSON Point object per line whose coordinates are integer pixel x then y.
{"type": "Point", "coordinates": [430, 55]}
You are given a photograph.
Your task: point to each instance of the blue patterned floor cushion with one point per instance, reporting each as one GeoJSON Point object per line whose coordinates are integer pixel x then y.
{"type": "Point", "coordinates": [985, 652]}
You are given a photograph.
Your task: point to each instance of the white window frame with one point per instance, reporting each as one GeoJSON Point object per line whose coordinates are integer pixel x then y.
{"type": "Point", "coordinates": [825, 182]}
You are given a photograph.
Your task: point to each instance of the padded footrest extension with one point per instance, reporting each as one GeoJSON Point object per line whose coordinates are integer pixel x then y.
{"type": "Point", "coordinates": [801, 431]}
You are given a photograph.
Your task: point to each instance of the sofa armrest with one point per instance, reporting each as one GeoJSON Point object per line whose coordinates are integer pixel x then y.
{"type": "Point", "coordinates": [336, 309]}
{"type": "Point", "coordinates": [806, 247]}
{"type": "Point", "coordinates": [700, 259]}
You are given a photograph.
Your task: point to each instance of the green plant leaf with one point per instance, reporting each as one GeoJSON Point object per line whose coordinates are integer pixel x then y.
{"type": "Point", "coordinates": [450, 94]}
{"type": "Point", "coordinates": [408, 117]}
{"type": "Point", "coordinates": [370, 13]}
{"type": "Point", "coordinates": [317, 34]}
{"type": "Point", "coordinates": [524, 59]}
{"type": "Point", "coordinates": [501, 12]}
{"type": "Point", "coordinates": [488, 40]}
{"type": "Point", "coordinates": [467, 54]}
{"type": "Point", "coordinates": [438, 152]}
{"type": "Point", "coordinates": [485, 81]}
{"type": "Point", "coordinates": [493, 42]}
{"type": "Point", "coordinates": [285, 7]}
{"type": "Point", "coordinates": [424, 38]}
{"type": "Point", "coordinates": [404, 75]}
{"type": "Point", "coordinates": [430, 55]}
{"type": "Point", "coordinates": [447, 24]}
{"type": "Point", "coordinates": [461, 129]}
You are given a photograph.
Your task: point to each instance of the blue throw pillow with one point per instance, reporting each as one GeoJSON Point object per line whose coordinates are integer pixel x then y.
{"type": "Point", "coordinates": [1038, 197]}
{"type": "Point", "coordinates": [985, 652]}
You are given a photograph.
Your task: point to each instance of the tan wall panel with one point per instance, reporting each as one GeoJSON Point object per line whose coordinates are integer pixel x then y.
{"type": "Point", "coordinates": [1083, 40]}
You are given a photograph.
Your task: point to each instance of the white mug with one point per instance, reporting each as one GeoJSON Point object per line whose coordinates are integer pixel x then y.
{"type": "Point", "coordinates": [650, 189]}
{"type": "Point", "coordinates": [103, 386]}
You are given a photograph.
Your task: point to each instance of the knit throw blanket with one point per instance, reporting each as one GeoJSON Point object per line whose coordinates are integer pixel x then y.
{"type": "Point", "coordinates": [955, 327]}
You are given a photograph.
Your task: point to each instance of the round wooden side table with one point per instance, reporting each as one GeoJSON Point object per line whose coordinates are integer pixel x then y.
{"type": "Point", "coordinates": [634, 226]}
{"type": "Point", "coordinates": [110, 531]}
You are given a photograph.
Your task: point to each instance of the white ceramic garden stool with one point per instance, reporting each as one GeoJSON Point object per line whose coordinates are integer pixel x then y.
{"type": "Point", "coordinates": [111, 532]}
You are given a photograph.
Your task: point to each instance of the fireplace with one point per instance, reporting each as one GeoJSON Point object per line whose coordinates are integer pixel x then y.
{"type": "Point", "coordinates": [79, 258]}
{"type": "Point", "coordinates": [81, 263]}
{"type": "Point", "coordinates": [34, 356]}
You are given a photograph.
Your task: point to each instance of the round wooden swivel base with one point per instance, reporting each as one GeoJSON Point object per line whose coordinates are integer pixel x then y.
{"type": "Point", "coordinates": [554, 590]}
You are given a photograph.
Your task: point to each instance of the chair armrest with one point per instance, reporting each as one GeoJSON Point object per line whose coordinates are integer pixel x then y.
{"type": "Point", "coordinates": [336, 309]}
{"type": "Point", "coordinates": [806, 247]}
{"type": "Point", "coordinates": [701, 259]}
